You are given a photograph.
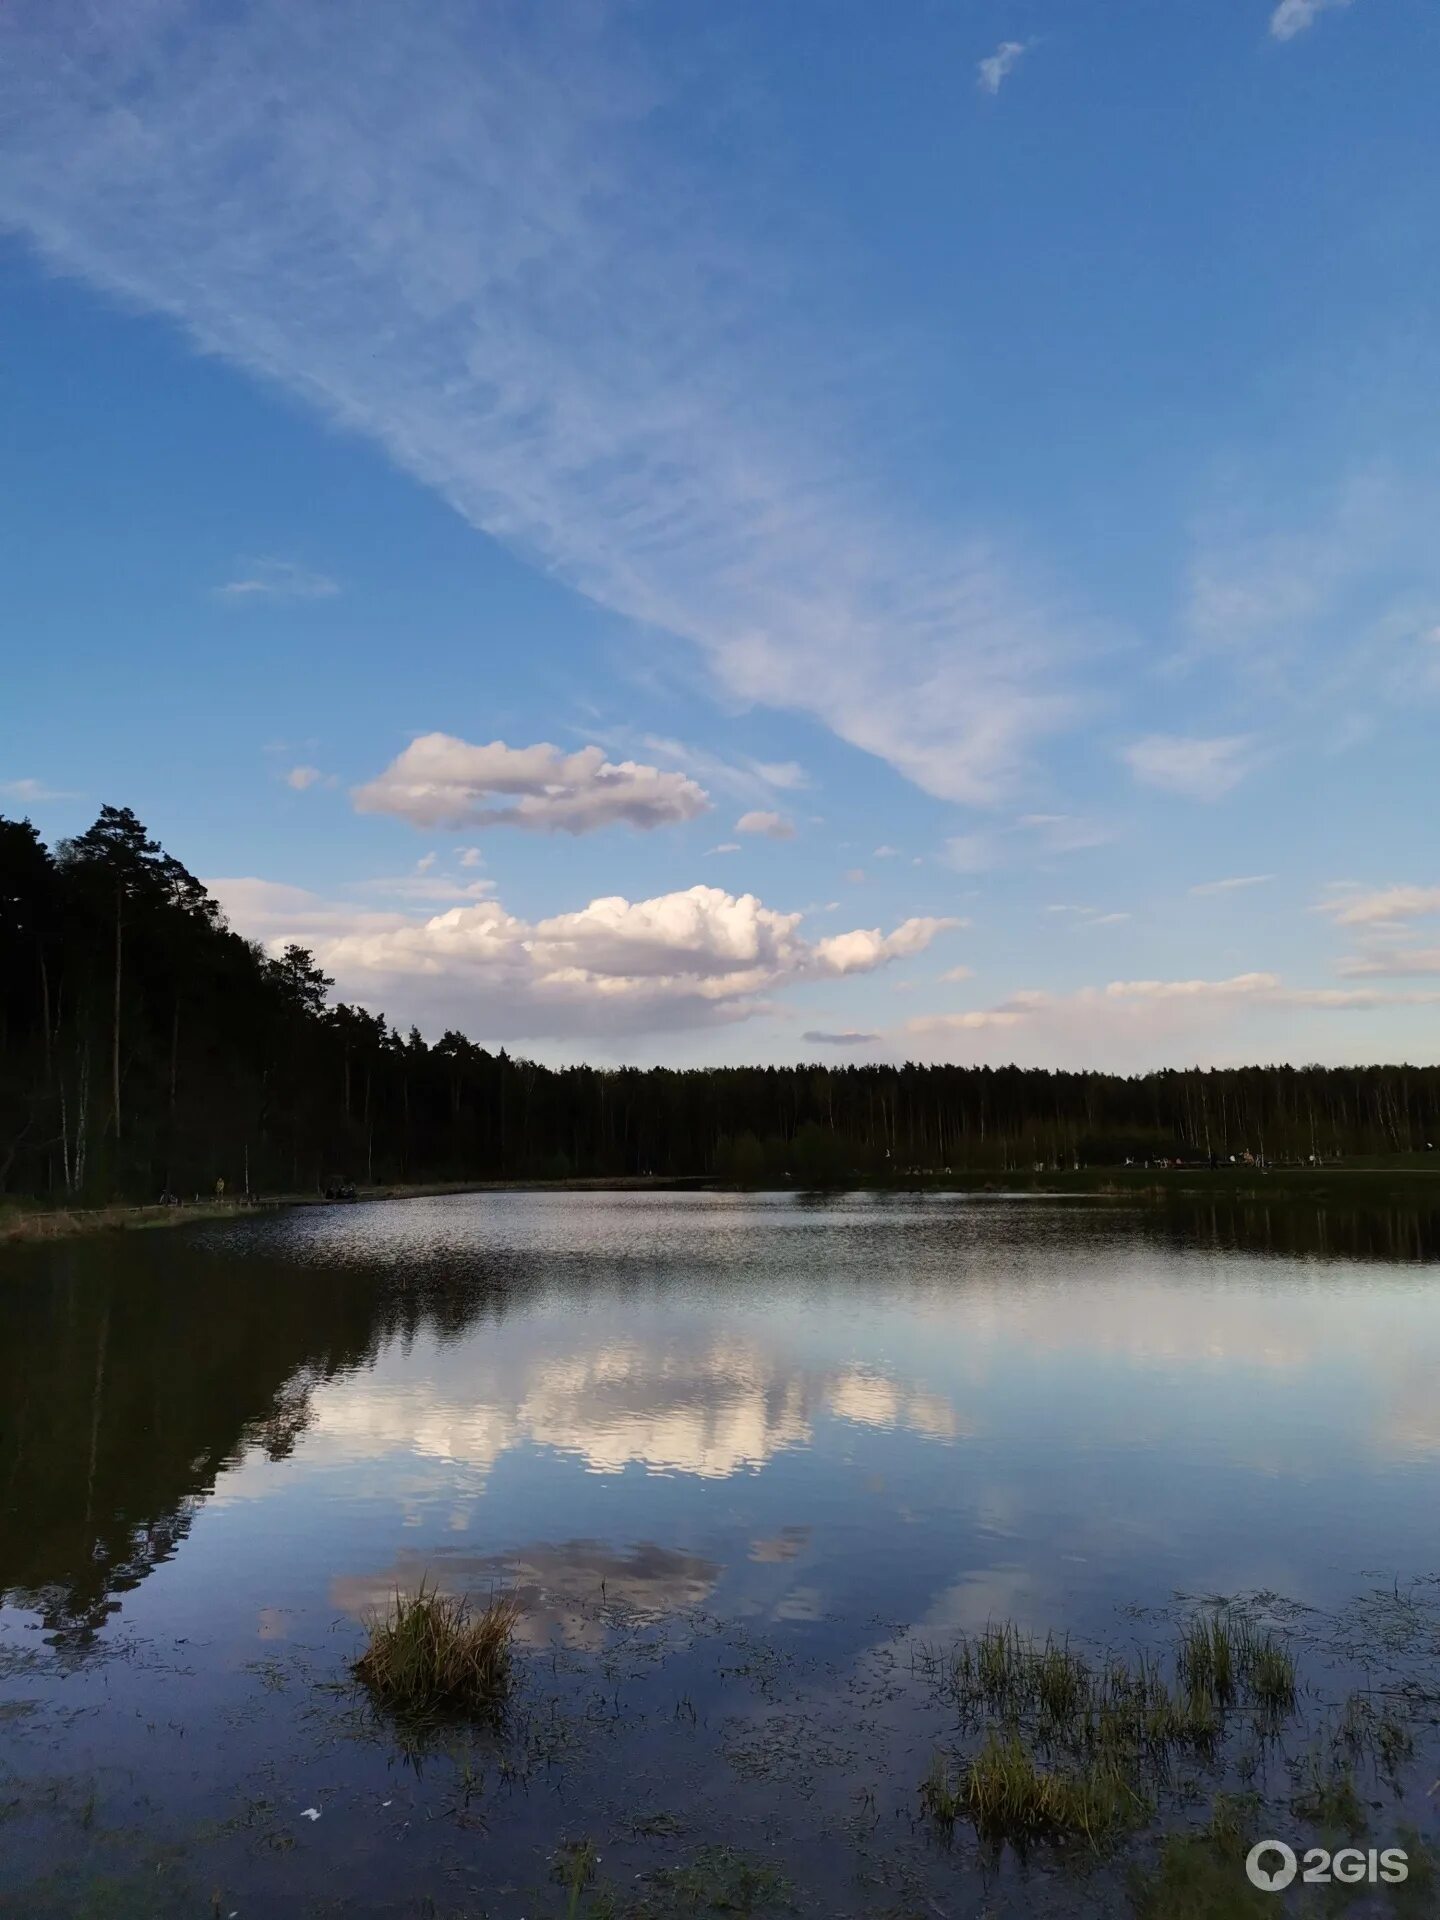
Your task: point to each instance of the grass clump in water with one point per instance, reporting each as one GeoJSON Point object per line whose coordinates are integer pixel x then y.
{"type": "Point", "coordinates": [1201, 1876]}
{"type": "Point", "coordinates": [1010, 1798]}
{"type": "Point", "coordinates": [1329, 1800]}
{"type": "Point", "coordinates": [432, 1653]}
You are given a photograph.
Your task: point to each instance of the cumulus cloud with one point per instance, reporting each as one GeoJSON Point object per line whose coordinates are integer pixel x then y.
{"type": "Point", "coordinates": [1198, 769]}
{"type": "Point", "coordinates": [997, 67]}
{"type": "Point", "coordinates": [691, 958]}
{"type": "Point", "coordinates": [774, 826]}
{"type": "Point", "coordinates": [439, 781]}
{"type": "Point", "coordinates": [461, 233]}
{"type": "Point", "coordinates": [1294, 16]}
{"type": "Point", "coordinates": [277, 580]}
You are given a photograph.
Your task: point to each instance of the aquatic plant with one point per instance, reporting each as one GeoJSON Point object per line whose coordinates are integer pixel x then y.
{"type": "Point", "coordinates": [1010, 1797]}
{"type": "Point", "coordinates": [431, 1652]}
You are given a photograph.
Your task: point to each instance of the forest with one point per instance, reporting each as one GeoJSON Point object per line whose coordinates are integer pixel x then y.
{"type": "Point", "coordinates": [146, 1047]}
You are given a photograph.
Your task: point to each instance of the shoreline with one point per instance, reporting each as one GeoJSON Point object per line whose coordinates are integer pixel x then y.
{"type": "Point", "coordinates": [1385, 1187]}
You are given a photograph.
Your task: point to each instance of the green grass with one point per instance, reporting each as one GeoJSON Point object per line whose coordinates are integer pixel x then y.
{"type": "Point", "coordinates": [431, 1653]}
{"type": "Point", "coordinates": [1329, 1801]}
{"type": "Point", "coordinates": [1010, 1798]}
{"type": "Point", "coordinates": [1075, 1746]}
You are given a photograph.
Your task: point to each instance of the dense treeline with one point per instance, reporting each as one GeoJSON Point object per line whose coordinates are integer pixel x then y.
{"type": "Point", "coordinates": [145, 1046]}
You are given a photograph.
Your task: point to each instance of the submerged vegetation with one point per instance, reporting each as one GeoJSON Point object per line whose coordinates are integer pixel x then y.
{"type": "Point", "coordinates": [432, 1653]}
{"type": "Point", "coordinates": [1009, 1796]}
{"type": "Point", "coordinates": [1076, 1747]}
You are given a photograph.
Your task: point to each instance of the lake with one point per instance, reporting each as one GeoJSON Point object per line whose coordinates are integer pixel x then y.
{"type": "Point", "coordinates": [755, 1467]}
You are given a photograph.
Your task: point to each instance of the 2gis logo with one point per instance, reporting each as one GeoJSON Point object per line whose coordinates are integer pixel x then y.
{"type": "Point", "coordinates": [1271, 1865]}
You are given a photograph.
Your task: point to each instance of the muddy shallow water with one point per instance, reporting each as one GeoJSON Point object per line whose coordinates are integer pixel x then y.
{"type": "Point", "coordinates": [751, 1463]}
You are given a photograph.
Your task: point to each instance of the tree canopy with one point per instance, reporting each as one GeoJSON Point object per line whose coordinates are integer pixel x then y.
{"type": "Point", "coordinates": [145, 1046]}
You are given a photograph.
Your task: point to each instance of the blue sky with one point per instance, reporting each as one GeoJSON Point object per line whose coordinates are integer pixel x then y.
{"type": "Point", "coordinates": [664, 533]}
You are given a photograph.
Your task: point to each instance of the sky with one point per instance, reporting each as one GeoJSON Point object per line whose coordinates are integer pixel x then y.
{"type": "Point", "coordinates": [677, 534]}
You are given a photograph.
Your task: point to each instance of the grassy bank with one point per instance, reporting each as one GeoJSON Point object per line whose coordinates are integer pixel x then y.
{"type": "Point", "coordinates": [22, 1220]}
{"type": "Point", "coordinates": [25, 1221]}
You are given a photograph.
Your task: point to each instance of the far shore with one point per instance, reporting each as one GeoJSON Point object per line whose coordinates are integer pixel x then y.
{"type": "Point", "coordinates": [1368, 1185]}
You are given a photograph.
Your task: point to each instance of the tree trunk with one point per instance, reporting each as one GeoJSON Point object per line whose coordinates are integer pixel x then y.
{"type": "Point", "coordinates": [115, 1024]}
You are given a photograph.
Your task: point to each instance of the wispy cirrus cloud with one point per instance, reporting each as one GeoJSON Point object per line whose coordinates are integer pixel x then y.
{"type": "Point", "coordinates": [1196, 769]}
{"type": "Point", "coordinates": [277, 580]}
{"type": "Point", "coordinates": [451, 231]}
{"type": "Point", "coordinates": [1234, 885]}
{"type": "Point", "coordinates": [1381, 906]}
{"type": "Point", "coordinates": [1395, 963]}
{"type": "Point", "coordinates": [33, 792]}
{"type": "Point", "coordinates": [441, 781]}
{"type": "Point", "coordinates": [1138, 1024]}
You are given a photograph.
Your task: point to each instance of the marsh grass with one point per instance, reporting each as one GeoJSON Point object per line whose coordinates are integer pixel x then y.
{"type": "Point", "coordinates": [1221, 1662]}
{"type": "Point", "coordinates": [1328, 1799]}
{"type": "Point", "coordinates": [1076, 1746]}
{"type": "Point", "coordinates": [1009, 1797]}
{"type": "Point", "coordinates": [431, 1653]}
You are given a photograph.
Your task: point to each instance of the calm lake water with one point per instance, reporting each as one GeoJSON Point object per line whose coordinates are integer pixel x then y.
{"type": "Point", "coordinates": [751, 1462]}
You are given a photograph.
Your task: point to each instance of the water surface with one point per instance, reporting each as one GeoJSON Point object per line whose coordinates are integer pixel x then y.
{"type": "Point", "coordinates": [747, 1459]}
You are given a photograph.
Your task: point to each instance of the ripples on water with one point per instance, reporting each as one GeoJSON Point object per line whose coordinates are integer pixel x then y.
{"type": "Point", "coordinates": [742, 1456]}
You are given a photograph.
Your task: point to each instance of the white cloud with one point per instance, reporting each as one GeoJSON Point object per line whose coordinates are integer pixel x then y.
{"type": "Point", "coordinates": [302, 777]}
{"type": "Point", "coordinates": [1294, 16]}
{"type": "Point", "coordinates": [971, 852]}
{"type": "Point", "coordinates": [1134, 1025]}
{"type": "Point", "coordinates": [462, 234]}
{"type": "Point", "coordinates": [748, 779]}
{"type": "Point", "coordinates": [1396, 963]}
{"type": "Point", "coordinates": [441, 781]}
{"type": "Point", "coordinates": [1234, 885]}
{"type": "Point", "coordinates": [774, 826]}
{"type": "Point", "coordinates": [1196, 769]}
{"type": "Point", "coordinates": [277, 580]}
{"type": "Point", "coordinates": [33, 792]}
{"type": "Point", "coordinates": [1030, 836]}
{"type": "Point", "coordinates": [1387, 906]}
{"type": "Point", "coordinates": [680, 960]}
{"type": "Point", "coordinates": [952, 976]}
{"type": "Point", "coordinates": [846, 1037]}
{"type": "Point", "coordinates": [1322, 604]}
{"type": "Point", "coordinates": [1064, 832]}
{"type": "Point", "coordinates": [725, 846]}
{"type": "Point", "coordinates": [996, 67]}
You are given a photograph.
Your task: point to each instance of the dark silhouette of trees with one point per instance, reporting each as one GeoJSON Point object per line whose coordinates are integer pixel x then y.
{"type": "Point", "coordinates": [145, 1046]}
